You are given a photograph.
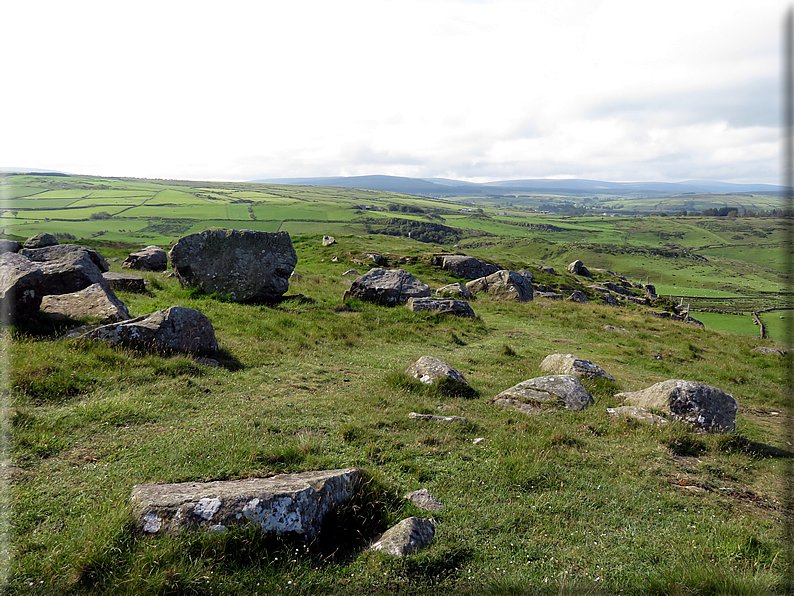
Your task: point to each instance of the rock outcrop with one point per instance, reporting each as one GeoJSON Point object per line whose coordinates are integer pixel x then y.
{"type": "Point", "coordinates": [20, 288]}
{"type": "Point", "coordinates": [95, 302]}
{"type": "Point", "coordinates": [702, 406]}
{"type": "Point", "coordinates": [459, 308]}
{"type": "Point", "coordinates": [456, 290]}
{"type": "Point", "coordinates": [578, 268]}
{"type": "Point", "coordinates": [67, 267]}
{"type": "Point", "coordinates": [151, 258]}
{"type": "Point", "coordinates": [407, 537]}
{"type": "Point", "coordinates": [429, 370]}
{"type": "Point", "coordinates": [505, 285]}
{"type": "Point", "coordinates": [40, 241]}
{"type": "Point", "coordinates": [284, 504]}
{"type": "Point", "coordinates": [577, 296]}
{"type": "Point", "coordinates": [246, 265]}
{"type": "Point", "coordinates": [464, 266]}
{"type": "Point", "coordinates": [536, 394]}
{"type": "Point", "coordinates": [387, 286]}
{"type": "Point", "coordinates": [568, 364]}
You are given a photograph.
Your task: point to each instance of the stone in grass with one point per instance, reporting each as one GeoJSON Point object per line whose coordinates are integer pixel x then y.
{"type": "Point", "coordinates": [536, 394]}
{"type": "Point", "coordinates": [447, 306]}
{"type": "Point", "coordinates": [40, 241]}
{"type": "Point", "coordinates": [387, 286]}
{"type": "Point", "coordinates": [423, 499]}
{"type": "Point", "coordinates": [431, 370]}
{"type": "Point", "coordinates": [407, 537]}
{"type": "Point", "coordinates": [96, 302]}
{"type": "Point", "coordinates": [287, 503]}
{"type": "Point", "coordinates": [702, 406]}
{"type": "Point", "coordinates": [328, 240]}
{"type": "Point", "coordinates": [568, 364]}
{"type": "Point", "coordinates": [768, 350]}
{"type": "Point", "coordinates": [456, 290]}
{"type": "Point", "coordinates": [636, 413]}
{"type": "Point", "coordinates": [504, 285]}
{"type": "Point", "coordinates": [125, 282]}
{"type": "Point", "coordinates": [151, 258]}
{"type": "Point", "coordinates": [432, 418]}
{"type": "Point", "coordinates": [577, 296]}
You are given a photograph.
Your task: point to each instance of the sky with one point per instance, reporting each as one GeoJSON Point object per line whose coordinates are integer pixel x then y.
{"type": "Point", "coordinates": [484, 90]}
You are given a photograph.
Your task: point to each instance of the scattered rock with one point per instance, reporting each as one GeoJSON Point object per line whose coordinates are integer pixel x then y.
{"type": "Point", "coordinates": [549, 295]}
{"type": "Point", "coordinates": [433, 418]}
{"type": "Point", "coordinates": [607, 295]}
{"type": "Point", "coordinates": [547, 269]}
{"type": "Point", "coordinates": [287, 503]}
{"type": "Point", "coordinates": [618, 289]}
{"type": "Point", "coordinates": [9, 245]}
{"type": "Point", "coordinates": [650, 291]}
{"type": "Point", "coordinates": [246, 265]}
{"type": "Point", "coordinates": [478, 440]}
{"type": "Point", "coordinates": [533, 395]}
{"type": "Point", "coordinates": [577, 296]}
{"type": "Point", "coordinates": [151, 258]}
{"type": "Point", "coordinates": [40, 241]}
{"type": "Point", "coordinates": [176, 328]}
{"type": "Point", "coordinates": [67, 267]}
{"type": "Point", "coordinates": [351, 272]}
{"type": "Point", "coordinates": [450, 306]}
{"type": "Point", "coordinates": [407, 537]}
{"type": "Point", "coordinates": [636, 413]}
{"type": "Point", "coordinates": [125, 282]}
{"type": "Point", "coordinates": [505, 285]}
{"type": "Point", "coordinates": [616, 329]}
{"type": "Point", "coordinates": [464, 266]}
{"type": "Point", "coordinates": [387, 286]}
{"type": "Point", "coordinates": [528, 275]}
{"type": "Point", "coordinates": [455, 290]}
{"type": "Point", "coordinates": [20, 283]}
{"type": "Point", "coordinates": [96, 301]}
{"type": "Point", "coordinates": [768, 350]}
{"type": "Point", "coordinates": [568, 364]}
{"type": "Point", "coordinates": [578, 268]}
{"type": "Point", "coordinates": [431, 370]}
{"type": "Point", "coordinates": [423, 499]}
{"type": "Point", "coordinates": [702, 406]}
{"type": "Point", "coordinates": [376, 258]}
{"type": "Point", "coordinates": [328, 240]}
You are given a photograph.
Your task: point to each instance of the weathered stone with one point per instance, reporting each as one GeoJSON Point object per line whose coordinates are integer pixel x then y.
{"type": "Point", "coordinates": [554, 390]}
{"type": "Point", "coordinates": [505, 285]}
{"type": "Point", "coordinates": [548, 295]}
{"type": "Point", "coordinates": [407, 537]}
{"type": "Point", "coordinates": [9, 245]}
{"type": "Point", "coordinates": [430, 370]}
{"type": "Point", "coordinates": [568, 364]}
{"type": "Point", "coordinates": [20, 282]}
{"type": "Point", "coordinates": [578, 268]}
{"type": "Point", "coordinates": [125, 282]}
{"type": "Point", "coordinates": [637, 300]}
{"type": "Point", "coordinates": [636, 413]}
{"type": "Point", "coordinates": [650, 291]}
{"type": "Point", "coordinates": [40, 241]}
{"type": "Point", "coordinates": [287, 503]}
{"type": "Point", "coordinates": [151, 258]}
{"type": "Point", "coordinates": [616, 329]}
{"type": "Point", "coordinates": [67, 267]}
{"type": "Point", "coordinates": [546, 269]}
{"type": "Point", "coordinates": [618, 289]}
{"type": "Point", "coordinates": [455, 290]}
{"type": "Point", "coordinates": [376, 258]}
{"type": "Point", "coordinates": [95, 302]}
{"type": "Point", "coordinates": [246, 265]}
{"type": "Point", "coordinates": [433, 418]}
{"type": "Point", "coordinates": [387, 286]}
{"type": "Point", "coordinates": [768, 350]}
{"type": "Point", "coordinates": [528, 275]}
{"type": "Point", "coordinates": [328, 240]}
{"type": "Point", "coordinates": [176, 328]}
{"type": "Point", "coordinates": [351, 272]}
{"type": "Point", "coordinates": [577, 296]}
{"type": "Point", "coordinates": [423, 499]}
{"type": "Point", "coordinates": [450, 306]}
{"type": "Point", "coordinates": [702, 406]}
{"type": "Point", "coordinates": [464, 266]}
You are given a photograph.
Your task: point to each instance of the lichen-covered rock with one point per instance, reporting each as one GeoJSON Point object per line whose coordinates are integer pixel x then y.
{"type": "Point", "coordinates": [464, 266]}
{"type": "Point", "coordinates": [429, 370]}
{"type": "Point", "coordinates": [151, 258]}
{"type": "Point", "coordinates": [387, 286]}
{"type": "Point", "coordinates": [568, 364]}
{"type": "Point", "coordinates": [700, 405]}
{"type": "Point", "coordinates": [535, 394]}
{"type": "Point", "coordinates": [423, 499]}
{"type": "Point", "coordinates": [20, 288]}
{"type": "Point", "coordinates": [96, 302]}
{"type": "Point", "coordinates": [176, 328]}
{"type": "Point", "coordinates": [40, 241]}
{"type": "Point", "coordinates": [125, 282]}
{"type": "Point", "coordinates": [328, 240]}
{"type": "Point", "coordinates": [456, 290]}
{"type": "Point", "coordinates": [578, 268]}
{"type": "Point", "coordinates": [636, 413]}
{"type": "Point", "coordinates": [577, 296]}
{"type": "Point", "coordinates": [768, 350]}
{"type": "Point", "coordinates": [67, 267]}
{"type": "Point", "coordinates": [287, 503]}
{"type": "Point", "coordinates": [246, 265]}
{"type": "Point", "coordinates": [459, 308]}
{"type": "Point", "coordinates": [407, 537]}
{"type": "Point", "coordinates": [504, 284]}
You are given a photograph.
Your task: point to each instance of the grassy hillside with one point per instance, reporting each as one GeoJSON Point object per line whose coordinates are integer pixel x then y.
{"type": "Point", "coordinates": [560, 503]}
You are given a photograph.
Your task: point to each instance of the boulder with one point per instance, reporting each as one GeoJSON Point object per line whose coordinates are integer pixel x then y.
{"type": "Point", "coordinates": [125, 282]}
{"type": "Point", "coordinates": [351, 272]}
{"type": "Point", "coordinates": [284, 504]}
{"type": "Point", "coordinates": [568, 364]}
{"type": "Point", "coordinates": [246, 265]}
{"type": "Point", "coordinates": [616, 329]}
{"type": "Point", "coordinates": [636, 413]}
{"type": "Point", "coordinates": [578, 268]}
{"type": "Point", "coordinates": [423, 499]}
{"type": "Point", "coordinates": [768, 350]}
{"type": "Point", "coordinates": [67, 268]}
{"type": "Point", "coordinates": [577, 296]}
{"type": "Point", "coordinates": [449, 306]}
{"type": "Point", "coordinates": [533, 395]}
{"type": "Point", "coordinates": [528, 275]}
{"type": "Point", "coordinates": [328, 240]}
{"type": "Point", "coordinates": [607, 295]}
{"type": "Point", "coordinates": [387, 286]}
{"type": "Point", "coordinates": [431, 370]}
{"type": "Point", "coordinates": [20, 288]}
{"type": "Point", "coordinates": [455, 290]}
{"type": "Point", "coordinates": [9, 245]}
{"type": "Point", "coordinates": [464, 266]}
{"type": "Point", "coordinates": [650, 291]}
{"type": "Point", "coordinates": [618, 289]}
{"type": "Point", "coordinates": [96, 302]}
{"type": "Point", "coordinates": [40, 241]}
{"type": "Point", "coordinates": [505, 285]}
{"type": "Point", "coordinates": [546, 269]}
{"type": "Point", "coordinates": [176, 328]}
{"type": "Point", "coordinates": [408, 536]}
{"type": "Point", "coordinates": [702, 406]}
{"type": "Point", "coordinates": [376, 258]}
{"type": "Point", "coordinates": [151, 258]}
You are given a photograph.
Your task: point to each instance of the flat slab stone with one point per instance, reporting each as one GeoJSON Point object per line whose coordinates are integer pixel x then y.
{"type": "Point", "coordinates": [433, 418]}
{"type": "Point", "coordinates": [423, 499]}
{"type": "Point", "coordinates": [407, 537]}
{"type": "Point", "coordinates": [96, 302]}
{"type": "Point", "coordinates": [554, 390]}
{"type": "Point", "coordinates": [287, 503]}
{"type": "Point", "coordinates": [125, 282]}
{"type": "Point", "coordinates": [449, 306]}
{"type": "Point", "coordinates": [568, 364]}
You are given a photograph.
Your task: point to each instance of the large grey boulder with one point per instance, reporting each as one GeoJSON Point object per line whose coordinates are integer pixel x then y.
{"type": "Point", "coordinates": [456, 290]}
{"type": "Point", "coordinates": [287, 503]}
{"type": "Point", "coordinates": [568, 364]}
{"type": "Point", "coordinates": [125, 282]}
{"type": "Point", "coordinates": [9, 245]}
{"type": "Point", "coordinates": [96, 302]}
{"type": "Point", "coordinates": [407, 537]}
{"type": "Point", "coordinates": [535, 394]}
{"type": "Point", "coordinates": [20, 283]}
{"type": "Point", "coordinates": [176, 328]}
{"type": "Point", "coordinates": [246, 265]}
{"type": "Point", "coordinates": [505, 285]}
{"type": "Point", "coordinates": [67, 267]}
{"type": "Point", "coordinates": [464, 266]}
{"type": "Point", "coordinates": [578, 268]}
{"type": "Point", "coordinates": [387, 286]}
{"type": "Point", "coordinates": [151, 258]}
{"type": "Point", "coordinates": [459, 308]}
{"type": "Point", "coordinates": [429, 370]}
{"type": "Point", "coordinates": [702, 406]}
{"type": "Point", "coordinates": [40, 241]}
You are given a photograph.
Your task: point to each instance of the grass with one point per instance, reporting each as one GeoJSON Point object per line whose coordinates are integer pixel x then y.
{"type": "Point", "coordinates": [561, 503]}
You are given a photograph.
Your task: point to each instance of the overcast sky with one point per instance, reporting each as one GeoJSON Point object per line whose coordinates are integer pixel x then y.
{"type": "Point", "coordinates": [484, 90]}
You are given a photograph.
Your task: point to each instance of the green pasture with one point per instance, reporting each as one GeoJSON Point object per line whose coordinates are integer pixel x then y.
{"type": "Point", "coordinates": [738, 324]}
{"type": "Point", "coordinates": [777, 326]}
